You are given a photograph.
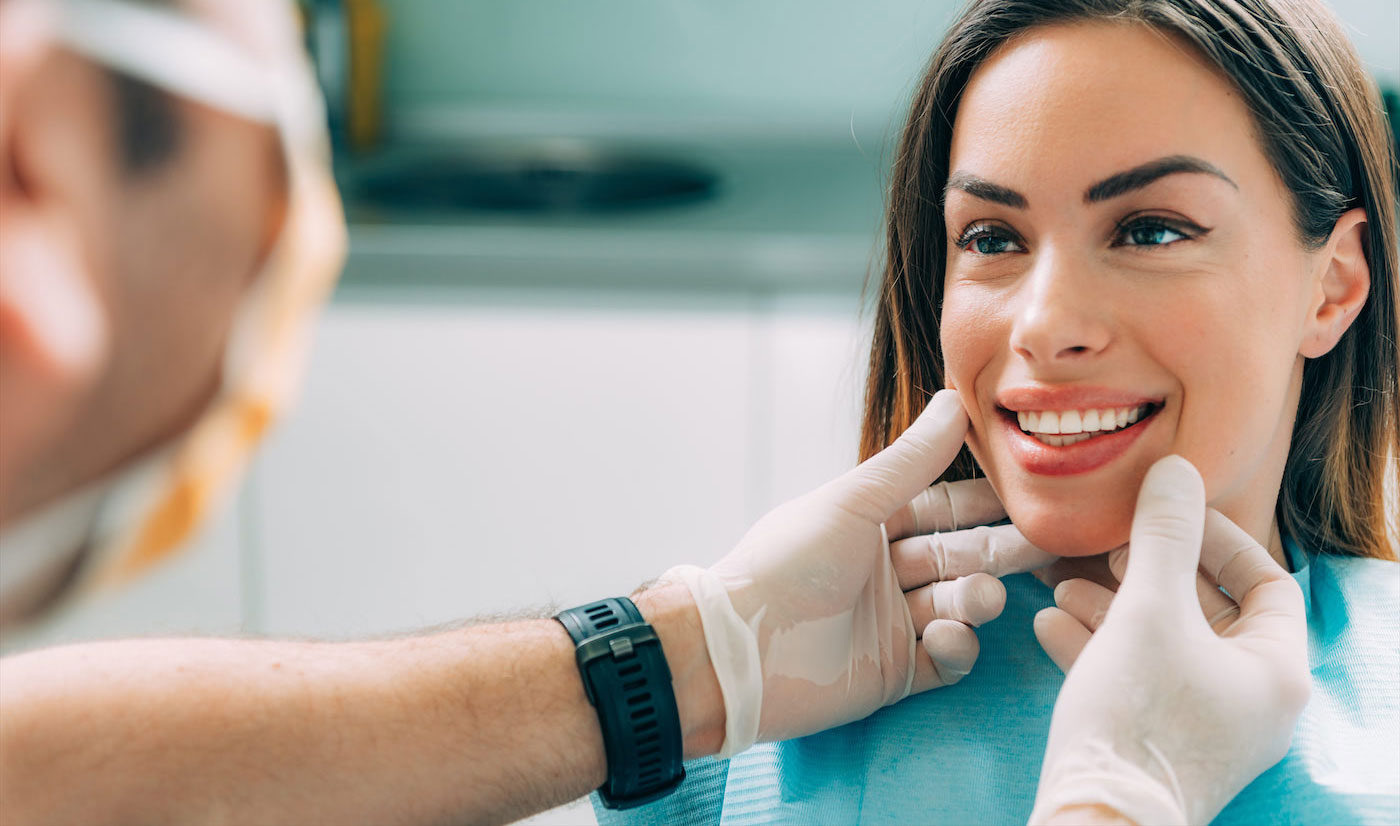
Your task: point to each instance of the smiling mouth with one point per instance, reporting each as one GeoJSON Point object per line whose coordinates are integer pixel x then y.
{"type": "Point", "coordinates": [1061, 428]}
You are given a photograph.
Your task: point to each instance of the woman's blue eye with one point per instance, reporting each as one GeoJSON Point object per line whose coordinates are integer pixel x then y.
{"type": "Point", "coordinates": [1150, 234]}
{"type": "Point", "coordinates": [987, 241]}
{"type": "Point", "coordinates": [991, 244]}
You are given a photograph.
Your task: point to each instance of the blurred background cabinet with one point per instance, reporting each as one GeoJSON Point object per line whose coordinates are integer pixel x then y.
{"type": "Point", "coordinates": [481, 452]}
{"type": "Point", "coordinates": [486, 451]}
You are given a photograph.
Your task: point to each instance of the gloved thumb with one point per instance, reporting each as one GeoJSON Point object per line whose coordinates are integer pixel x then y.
{"type": "Point", "coordinates": [1164, 549]}
{"type": "Point", "coordinates": [887, 481]}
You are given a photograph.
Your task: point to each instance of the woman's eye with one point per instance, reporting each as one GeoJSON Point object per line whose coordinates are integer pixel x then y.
{"type": "Point", "coordinates": [1149, 234]}
{"type": "Point", "coordinates": [988, 241]}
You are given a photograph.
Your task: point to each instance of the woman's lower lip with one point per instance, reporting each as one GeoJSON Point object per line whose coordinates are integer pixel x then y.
{"type": "Point", "coordinates": [1067, 460]}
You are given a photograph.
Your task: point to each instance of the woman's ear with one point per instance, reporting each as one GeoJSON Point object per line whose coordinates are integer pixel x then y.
{"type": "Point", "coordinates": [1340, 287]}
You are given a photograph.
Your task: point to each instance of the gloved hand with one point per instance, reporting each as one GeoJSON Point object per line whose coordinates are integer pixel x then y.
{"type": "Point", "coordinates": [1165, 715]}
{"type": "Point", "coordinates": [815, 618]}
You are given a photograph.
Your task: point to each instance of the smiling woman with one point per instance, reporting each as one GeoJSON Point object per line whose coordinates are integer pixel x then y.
{"type": "Point", "coordinates": [1123, 229]}
{"type": "Point", "coordinates": [1188, 222]}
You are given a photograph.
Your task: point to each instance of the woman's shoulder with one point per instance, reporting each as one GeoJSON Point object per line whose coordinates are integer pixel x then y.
{"type": "Point", "coordinates": [1354, 607]}
{"type": "Point", "coordinates": [1375, 582]}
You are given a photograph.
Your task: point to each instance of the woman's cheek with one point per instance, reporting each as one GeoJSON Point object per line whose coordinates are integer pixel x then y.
{"type": "Point", "coordinates": [957, 341]}
{"type": "Point", "coordinates": [969, 337]}
{"type": "Point", "coordinates": [967, 350]}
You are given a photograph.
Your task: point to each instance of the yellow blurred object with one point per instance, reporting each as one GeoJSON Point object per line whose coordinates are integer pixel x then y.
{"type": "Point", "coordinates": [367, 24]}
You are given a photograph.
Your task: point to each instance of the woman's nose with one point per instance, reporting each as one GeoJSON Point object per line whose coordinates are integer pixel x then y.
{"type": "Point", "coordinates": [1062, 314]}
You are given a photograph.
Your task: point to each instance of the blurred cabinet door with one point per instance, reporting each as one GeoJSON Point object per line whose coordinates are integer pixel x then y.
{"type": "Point", "coordinates": [818, 347]}
{"type": "Point", "coordinates": [477, 452]}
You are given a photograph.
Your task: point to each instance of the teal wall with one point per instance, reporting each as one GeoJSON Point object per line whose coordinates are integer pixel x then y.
{"type": "Point", "coordinates": [798, 64]}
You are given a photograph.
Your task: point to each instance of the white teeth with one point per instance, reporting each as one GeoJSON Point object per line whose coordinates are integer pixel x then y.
{"type": "Point", "coordinates": [1063, 441]}
{"type": "Point", "coordinates": [1066, 427]}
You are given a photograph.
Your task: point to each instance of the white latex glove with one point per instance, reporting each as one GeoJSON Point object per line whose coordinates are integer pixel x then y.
{"type": "Point", "coordinates": [814, 620]}
{"type": "Point", "coordinates": [1165, 715]}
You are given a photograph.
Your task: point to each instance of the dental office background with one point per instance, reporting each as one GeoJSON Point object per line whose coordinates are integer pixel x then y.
{"type": "Point", "coordinates": [602, 308]}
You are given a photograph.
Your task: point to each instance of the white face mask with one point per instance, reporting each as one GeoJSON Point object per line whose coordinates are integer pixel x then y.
{"type": "Point", "coordinates": [243, 57]}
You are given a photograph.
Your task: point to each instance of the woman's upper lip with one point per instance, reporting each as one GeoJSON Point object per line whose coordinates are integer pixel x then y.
{"type": "Point", "coordinates": [1036, 397]}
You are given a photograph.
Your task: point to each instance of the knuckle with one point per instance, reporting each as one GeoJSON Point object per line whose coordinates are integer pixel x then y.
{"type": "Point", "coordinates": [1169, 526]}
{"type": "Point", "coordinates": [937, 554]}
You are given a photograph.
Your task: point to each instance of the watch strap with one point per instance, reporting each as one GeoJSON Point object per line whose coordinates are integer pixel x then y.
{"type": "Point", "coordinates": [627, 680]}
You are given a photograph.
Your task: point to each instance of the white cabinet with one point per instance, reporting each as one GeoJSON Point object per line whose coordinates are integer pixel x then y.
{"type": "Point", "coordinates": [817, 346]}
{"type": "Point", "coordinates": [476, 452]}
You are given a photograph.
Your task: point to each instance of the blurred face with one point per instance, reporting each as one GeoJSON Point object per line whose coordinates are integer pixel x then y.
{"type": "Point", "coordinates": [117, 288]}
{"type": "Point", "coordinates": [1123, 282]}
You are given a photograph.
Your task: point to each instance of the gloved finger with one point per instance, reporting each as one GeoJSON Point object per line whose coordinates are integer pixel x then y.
{"type": "Point", "coordinates": [925, 675]}
{"type": "Point", "coordinates": [1093, 568]}
{"type": "Point", "coordinates": [1216, 606]}
{"type": "Point", "coordinates": [947, 506]}
{"type": "Point", "coordinates": [1166, 535]}
{"type": "Point", "coordinates": [998, 551]}
{"type": "Point", "coordinates": [952, 647]}
{"type": "Point", "coordinates": [887, 481]}
{"type": "Point", "coordinates": [1232, 558]}
{"type": "Point", "coordinates": [974, 599]}
{"type": "Point", "coordinates": [1061, 635]}
{"type": "Point", "coordinates": [1086, 601]}
{"type": "Point", "coordinates": [1271, 604]}
{"type": "Point", "coordinates": [1219, 610]}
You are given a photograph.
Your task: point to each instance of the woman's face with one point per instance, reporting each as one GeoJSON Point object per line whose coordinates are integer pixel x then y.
{"type": "Point", "coordinates": [1123, 282]}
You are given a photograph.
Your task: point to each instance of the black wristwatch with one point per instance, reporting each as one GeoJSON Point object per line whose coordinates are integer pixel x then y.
{"type": "Point", "coordinates": [627, 680]}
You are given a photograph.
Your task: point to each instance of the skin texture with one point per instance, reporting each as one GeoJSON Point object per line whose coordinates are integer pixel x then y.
{"type": "Point", "coordinates": [1214, 325]}
{"type": "Point", "coordinates": [479, 725]}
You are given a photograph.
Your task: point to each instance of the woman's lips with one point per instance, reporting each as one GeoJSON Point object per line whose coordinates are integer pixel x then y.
{"type": "Point", "coordinates": [1080, 457]}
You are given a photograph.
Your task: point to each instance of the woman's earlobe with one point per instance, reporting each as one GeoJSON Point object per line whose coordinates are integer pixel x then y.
{"type": "Point", "coordinates": [1342, 286]}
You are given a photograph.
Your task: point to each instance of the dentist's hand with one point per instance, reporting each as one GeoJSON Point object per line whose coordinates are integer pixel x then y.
{"type": "Point", "coordinates": [1167, 712]}
{"type": "Point", "coordinates": [815, 618]}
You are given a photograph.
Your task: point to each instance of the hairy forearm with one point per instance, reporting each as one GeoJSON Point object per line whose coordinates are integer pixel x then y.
{"type": "Point", "coordinates": [483, 724]}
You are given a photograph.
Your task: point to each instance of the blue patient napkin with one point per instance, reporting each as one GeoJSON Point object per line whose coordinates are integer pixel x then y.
{"type": "Point", "coordinates": [971, 753]}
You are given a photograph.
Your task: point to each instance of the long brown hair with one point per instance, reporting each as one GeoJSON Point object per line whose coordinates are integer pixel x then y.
{"type": "Point", "coordinates": [1322, 126]}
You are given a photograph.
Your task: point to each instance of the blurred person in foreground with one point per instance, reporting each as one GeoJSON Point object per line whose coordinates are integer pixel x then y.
{"type": "Point", "coordinates": [168, 227]}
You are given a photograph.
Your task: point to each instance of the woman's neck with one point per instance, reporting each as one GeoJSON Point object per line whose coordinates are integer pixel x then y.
{"type": "Point", "coordinates": [1275, 546]}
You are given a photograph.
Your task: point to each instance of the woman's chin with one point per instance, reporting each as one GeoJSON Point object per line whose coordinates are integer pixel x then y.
{"type": "Point", "coordinates": [1073, 533]}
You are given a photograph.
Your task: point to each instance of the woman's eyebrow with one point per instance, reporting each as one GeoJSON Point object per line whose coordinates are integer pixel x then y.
{"type": "Point", "coordinates": [1144, 174]}
{"type": "Point", "coordinates": [1113, 186]}
{"type": "Point", "coordinates": [984, 189]}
